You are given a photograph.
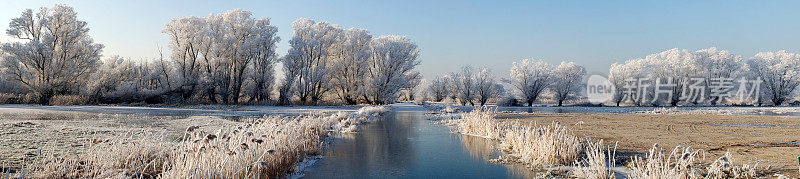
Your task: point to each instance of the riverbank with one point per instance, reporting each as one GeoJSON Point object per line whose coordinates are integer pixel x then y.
{"type": "Point", "coordinates": [767, 140]}
{"type": "Point", "coordinates": [97, 141]}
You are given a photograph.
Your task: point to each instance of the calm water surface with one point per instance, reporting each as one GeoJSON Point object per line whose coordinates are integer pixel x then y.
{"type": "Point", "coordinates": [406, 145]}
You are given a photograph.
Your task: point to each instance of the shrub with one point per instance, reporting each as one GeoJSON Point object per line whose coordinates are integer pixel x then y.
{"type": "Point", "coordinates": [724, 167]}
{"type": "Point", "coordinates": [65, 100]}
{"type": "Point", "coordinates": [508, 100]}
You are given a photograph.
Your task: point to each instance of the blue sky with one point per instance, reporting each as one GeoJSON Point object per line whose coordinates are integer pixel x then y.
{"type": "Point", "coordinates": [480, 33]}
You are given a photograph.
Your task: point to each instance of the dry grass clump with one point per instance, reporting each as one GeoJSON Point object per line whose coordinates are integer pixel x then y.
{"type": "Point", "coordinates": [537, 146]}
{"type": "Point", "coordinates": [265, 147]}
{"type": "Point", "coordinates": [542, 146]}
{"type": "Point", "coordinates": [268, 147]}
{"type": "Point", "coordinates": [480, 122]}
{"type": "Point", "coordinates": [680, 163]}
{"type": "Point", "coordinates": [677, 164]}
{"type": "Point", "coordinates": [723, 167]}
{"type": "Point", "coordinates": [66, 100]}
{"type": "Point", "coordinates": [596, 163]}
{"type": "Point", "coordinates": [131, 155]}
{"type": "Point", "coordinates": [555, 145]}
{"type": "Point", "coordinates": [10, 98]}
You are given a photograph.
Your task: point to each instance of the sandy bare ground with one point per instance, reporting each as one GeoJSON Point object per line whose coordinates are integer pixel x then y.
{"type": "Point", "coordinates": [769, 140]}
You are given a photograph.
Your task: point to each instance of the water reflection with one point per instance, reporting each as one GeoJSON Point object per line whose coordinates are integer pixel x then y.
{"type": "Point", "coordinates": [406, 145]}
{"type": "Point", "coordinates": [479, 148]}
{"type": "Point", "coordinates": [379, 149]}
{"type": "Point", "coordinates": [484, 149]}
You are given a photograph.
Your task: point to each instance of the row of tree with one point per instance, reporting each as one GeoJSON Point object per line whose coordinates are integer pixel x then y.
{"type": "Point", "coordinates": [669, 78]}
{"type": "Point", "coordinates": [713, 73]}
{"type": "Point", "coordinates": [351, 64]}
{"type": "Point", "coordinates": [531, 78]}
{"type": "Point", "coordinates": [222, 58]}
{"type": "Point", "coordinates": [464, 87]}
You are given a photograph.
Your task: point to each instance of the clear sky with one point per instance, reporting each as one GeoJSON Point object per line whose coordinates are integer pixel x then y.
{"type": "Point", "coordinates": [480, 33]}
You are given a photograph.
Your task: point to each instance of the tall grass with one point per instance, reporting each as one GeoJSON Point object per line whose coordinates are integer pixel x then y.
{"type": "Point", "coordinates": [133, 155]}
{"type": "Point", "coordinates": [12, 98]}
{"type": "Point", "coordinates": [66, 100]}
{"type": "Point", "coordinates": [480, 122]}
{"type": "Point", "coordinates": [681, 163]}
{"type": "Point", "coordinates": [554, 145]}
{"type": "Point", "coordinates": [677, 164]}
{"type": "Point", "coordinates": [724, 167]}
{"type": "Point", "coordinates": [597, 162]}
{"type": "Point", "coordinates": [542, 146]}
{"type": "Point", "coordinates": [268, 147]}
{"type": "Point", "coordinates": [539, 146]}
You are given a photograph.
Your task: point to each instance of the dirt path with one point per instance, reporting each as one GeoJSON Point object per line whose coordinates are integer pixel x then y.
{"type": "Point", "coordinates": [768, 140]}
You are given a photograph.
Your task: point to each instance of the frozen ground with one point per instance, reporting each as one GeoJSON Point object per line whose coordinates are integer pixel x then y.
{"type": "Point", "coordinates": [725, 110]}
{"type": "Point", "coordinates": [26, 131]}
{"type": "Point", "coordinates": [207, 110]}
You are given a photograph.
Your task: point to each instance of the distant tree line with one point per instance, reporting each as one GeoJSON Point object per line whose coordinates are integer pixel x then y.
{"type": "Point", "coordinates": [226, 58]}
{"type": "Point", "coordinates": [713, 73]}
{"type": "Point", "coordinates": [530, 79]}
{"type": "Point", "coordinates": [670, 78]}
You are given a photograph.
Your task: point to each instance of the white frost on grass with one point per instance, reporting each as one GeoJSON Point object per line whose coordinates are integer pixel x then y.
{"type": "Point", "coordinates": [538, 146]}
{"type": "Point", "coordinates": [680, 163]}
{"type": "Point", "coordinates": [554, 147]}
{"type": "Point", "coordinates": [268, 147]}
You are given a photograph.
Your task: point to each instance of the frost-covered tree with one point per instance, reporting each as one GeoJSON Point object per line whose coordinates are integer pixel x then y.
{"type": "Point", "coordinates": [452, 89]}
{"type": "Point", "coordinates": [780, 72]}
{"type": "Point", "coordinates": [242, 40]}
{"type": "Point", "coordinates": [262, 50]}
{"type": "Point", "coordinates": [567, 81]}
{"type": "Point", "coordinates": [486, 87]}
{"type": "Point", "coordinates": [630, 70]}
{"type": "Point", "coordinates": [217, 54]}
{"type": "Point", "coordinates": [389, 68]}
{"type": "Point", "coordinates": [308, 58]}
{"type": "Point", "coordinates": [414, 82]}
{"type": "Point", "coordinates": [123, 80]}
{"type": "Point", "coordinates": [465, 86]}
{"type": "Point", "coordinates": [673, 67]}
{"type": "Point", "coordinates": [349, 65]}
{"type": "Point", "coordinates": [531, 77]}
{"type": "Point", "coordinates": [715, 64]}
{"type": "Point", "coordinates": [617, 75]}
{"type": "Point", "coordinates": [186, 39]}
{"type": "Point", "coordinates": [679, 70]}
{"type": "Point", "coordinates": [55, 55]}
{"type": "Point", "coordinates": [285, 92]}
{"type": "Point", "coordinates": [437, 88]}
